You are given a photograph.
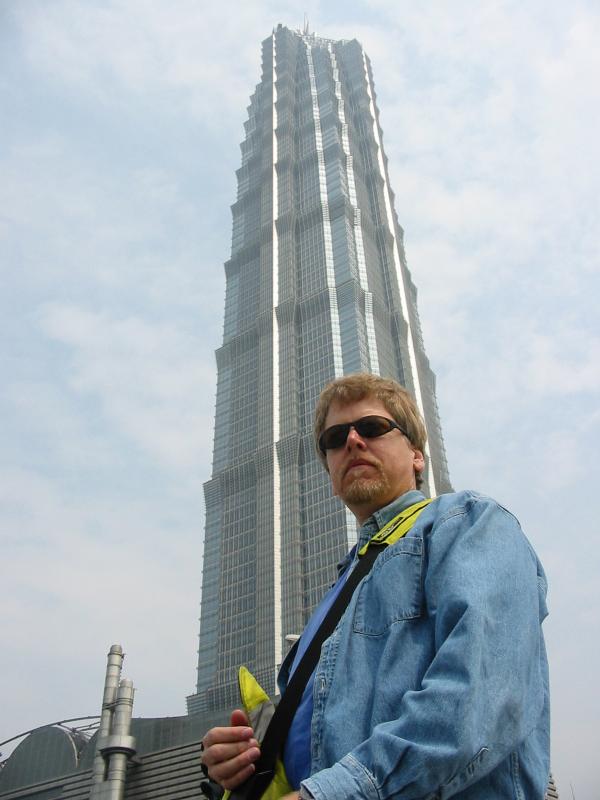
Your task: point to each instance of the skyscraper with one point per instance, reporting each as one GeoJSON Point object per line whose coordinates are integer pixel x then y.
{"type": "Point", "coordinates": [317, 286]}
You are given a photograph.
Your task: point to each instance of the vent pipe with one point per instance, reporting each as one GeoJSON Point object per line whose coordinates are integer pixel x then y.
{"type": "Point", "coordinates": [115, 744]}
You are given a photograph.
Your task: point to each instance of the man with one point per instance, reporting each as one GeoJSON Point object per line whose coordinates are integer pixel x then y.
{"type": "Point", "coordinates": [434, 683]}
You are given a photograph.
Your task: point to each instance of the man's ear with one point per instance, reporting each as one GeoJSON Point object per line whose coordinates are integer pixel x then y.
{"type": "Point", "coordinates": [418, 461]}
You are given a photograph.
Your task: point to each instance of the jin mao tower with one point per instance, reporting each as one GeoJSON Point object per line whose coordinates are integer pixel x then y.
{"type": "Point", "coordinates": [317, 286]}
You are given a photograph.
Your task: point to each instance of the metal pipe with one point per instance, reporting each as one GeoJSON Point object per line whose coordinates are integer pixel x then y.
{"type": "Point", "coordinates": [120, 746]}
{"type": "Point", "coordinates": [115, 745]}
{"type": "Point", "coordinates": [111, 685]}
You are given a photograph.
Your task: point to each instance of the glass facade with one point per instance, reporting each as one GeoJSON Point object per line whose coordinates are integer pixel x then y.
{"type": "Point", "coordinates": [317, 286]}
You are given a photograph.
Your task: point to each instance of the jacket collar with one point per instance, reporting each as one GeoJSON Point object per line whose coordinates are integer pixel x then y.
{"type": "Point", "coordinates": [377, 520]}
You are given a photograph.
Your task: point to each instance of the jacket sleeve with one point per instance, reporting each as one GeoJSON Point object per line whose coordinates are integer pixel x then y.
{"type": "Point", "coordinates": [484, 690]}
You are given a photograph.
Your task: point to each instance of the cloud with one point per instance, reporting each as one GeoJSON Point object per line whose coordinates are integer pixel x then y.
{"type": "Point", "coordinates": [96, 219]}
{"type": "Point", "coordinates": [143, 375]}
{"type": "Point", "coordinates": [563, 363]}
{"type": "Point", "coordinates": [85, 573]}
{"type": "Point", "coordinates": [137, 48]}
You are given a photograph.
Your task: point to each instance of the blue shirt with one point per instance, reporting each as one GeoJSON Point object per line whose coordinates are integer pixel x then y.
{"type": "Point", "coordinates": [297, 747]}
{"type": "Point", "coordinates": [296, 754]}
{"type": "Point", "coordinates": [435, 682]}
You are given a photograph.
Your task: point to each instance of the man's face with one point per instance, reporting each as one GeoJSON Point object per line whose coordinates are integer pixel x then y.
{"type": "Point", "coordinates": [367, 474]}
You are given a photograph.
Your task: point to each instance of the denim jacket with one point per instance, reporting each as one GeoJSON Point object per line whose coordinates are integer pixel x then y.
{"type": "Point", "coordinates": [435, 682]}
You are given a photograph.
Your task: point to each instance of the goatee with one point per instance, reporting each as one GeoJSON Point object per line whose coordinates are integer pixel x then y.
{"type": "Point", "coordinates": [365, 490]}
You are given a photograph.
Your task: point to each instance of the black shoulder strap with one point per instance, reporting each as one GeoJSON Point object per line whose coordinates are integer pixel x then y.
{"type": "Point", "coordinates": [280, 724]}
{"type": "Point", "coordinates": [290, 700]}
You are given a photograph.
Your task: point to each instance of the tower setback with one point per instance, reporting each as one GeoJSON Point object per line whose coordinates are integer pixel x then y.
{"type": "Point", "coordinates": [317, 286]}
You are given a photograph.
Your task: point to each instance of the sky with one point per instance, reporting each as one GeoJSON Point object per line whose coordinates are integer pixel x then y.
{"type": "Point", "coordinates": [121, 124]}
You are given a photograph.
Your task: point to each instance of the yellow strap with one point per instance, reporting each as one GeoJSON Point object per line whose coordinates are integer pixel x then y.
{"type": "Point", "coordinates": [397, 527]}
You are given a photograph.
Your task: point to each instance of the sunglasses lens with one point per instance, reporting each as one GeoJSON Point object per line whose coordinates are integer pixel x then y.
{"type": "Point", "coordinates": [334, 437]}
{"type": "Point", "coordinates": [371, 427]}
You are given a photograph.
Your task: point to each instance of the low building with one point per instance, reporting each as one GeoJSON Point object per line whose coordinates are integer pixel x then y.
{"type": "Point", "coordinates": [124, 757]}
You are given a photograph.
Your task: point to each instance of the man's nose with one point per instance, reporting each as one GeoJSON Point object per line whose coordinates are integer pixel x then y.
{"type": "Point", "coordinates": [354, 439]}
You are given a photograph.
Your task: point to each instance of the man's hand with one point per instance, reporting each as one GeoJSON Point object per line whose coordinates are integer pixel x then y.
{"type": "Point", "coordinates": [292, 796]}
{"type": "Point", "coordinates": [229, 753]}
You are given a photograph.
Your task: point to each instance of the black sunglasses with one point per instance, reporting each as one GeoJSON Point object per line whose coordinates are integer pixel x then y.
{"type": "Point", "coordinates": [368, 427]}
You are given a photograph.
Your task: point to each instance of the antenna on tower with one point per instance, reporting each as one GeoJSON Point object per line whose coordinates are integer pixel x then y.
{"type": "Point", "coordinates": [305, 28]}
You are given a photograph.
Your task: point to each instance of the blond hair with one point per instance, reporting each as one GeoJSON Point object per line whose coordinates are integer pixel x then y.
{"type": "Point", "coordinates": [352, 388]}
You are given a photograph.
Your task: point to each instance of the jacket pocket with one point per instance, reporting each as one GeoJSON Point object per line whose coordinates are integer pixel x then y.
{"type": "Point", "coordinates": [393, 590]}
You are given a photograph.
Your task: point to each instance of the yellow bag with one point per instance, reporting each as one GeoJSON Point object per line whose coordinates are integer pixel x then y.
{"type": "Point", "coordinates": [260, 709]}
